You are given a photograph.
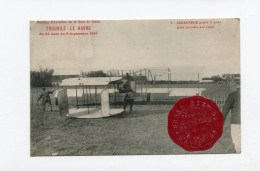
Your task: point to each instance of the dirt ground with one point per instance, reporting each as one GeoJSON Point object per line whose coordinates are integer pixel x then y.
{"type": "Point", "coordinates": [142, 132]}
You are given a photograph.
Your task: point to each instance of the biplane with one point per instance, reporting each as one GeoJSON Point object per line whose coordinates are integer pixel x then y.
{"type": "Point", "coordinates": [92, 97]}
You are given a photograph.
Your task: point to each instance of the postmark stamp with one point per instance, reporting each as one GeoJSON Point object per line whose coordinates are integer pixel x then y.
{"type": "Point", "coordinates": [195, 123]}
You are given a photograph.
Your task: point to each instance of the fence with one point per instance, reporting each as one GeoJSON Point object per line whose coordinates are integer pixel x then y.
{"type": "Point", "coordinates": [218, 98]}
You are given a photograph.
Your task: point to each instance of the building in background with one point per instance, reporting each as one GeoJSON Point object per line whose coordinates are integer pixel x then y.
{"type": "Point", "coordinates": [58, 76]}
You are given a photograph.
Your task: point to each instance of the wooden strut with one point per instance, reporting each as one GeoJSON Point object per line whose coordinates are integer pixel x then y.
{"type": "Point", "coordinates": [65, 96]}
{"type": "Point", "coordinates": [89, 93]}
{"type": "Point", "coordinates": [154, 79]}
{"type": "Point", "coordinates": [77, 96]}
{"type": "Point", "coordinates": [67, 100]}
{"type": "Point", "coordinates": [96, 95]}
{"type": "Point", "coordinates": [148, 75]}
{"type": "Point", "coordinates": [115, 93]}
{"type": "Point", "coordinates": [151, 74]}
{"type": "Point", "coordinates": [140, 71]}
{"type": "Point", "coordinates": [83, 96]}
{"type": "Point", "coordinates": [111, 73]}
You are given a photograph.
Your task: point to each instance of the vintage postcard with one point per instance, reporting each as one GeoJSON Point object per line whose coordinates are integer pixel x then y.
{"type": "Point", "coordinates": [135, 87]}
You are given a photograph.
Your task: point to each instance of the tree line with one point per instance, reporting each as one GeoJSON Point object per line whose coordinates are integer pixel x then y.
{"type": "Point", "coordinates": [224, 77]}
{"type": "Point", "coordinates": [41, 78]}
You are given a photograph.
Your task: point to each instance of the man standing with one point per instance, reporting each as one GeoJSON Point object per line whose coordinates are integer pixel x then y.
{"type": "Point", "coordinates": [127, 77]}
{"type": "Point", "coordinates": [129, 99]}
{"type": "Point", "coordinates": [127, 85]}
{"type": "Point", "coordinates": [233, 104]}
{"type": "Point", "coordinates": [45, 96]}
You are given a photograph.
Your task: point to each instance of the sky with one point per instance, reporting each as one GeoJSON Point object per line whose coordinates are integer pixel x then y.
{"type": "Point", "coordinates": [138, 44]}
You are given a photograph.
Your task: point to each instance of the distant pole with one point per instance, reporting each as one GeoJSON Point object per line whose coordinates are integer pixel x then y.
{"type": "Point", "coordinates": [170, 79]}
{"type": "Point", "coordinates": [198, 82]}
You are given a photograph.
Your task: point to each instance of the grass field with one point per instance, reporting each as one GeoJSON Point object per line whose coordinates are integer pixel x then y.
{"type": "Point", "coordinates": [142, 132]}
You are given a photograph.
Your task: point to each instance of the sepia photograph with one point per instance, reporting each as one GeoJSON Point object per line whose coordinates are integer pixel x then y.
{"type": "Point", "coordinates": [106, 87]}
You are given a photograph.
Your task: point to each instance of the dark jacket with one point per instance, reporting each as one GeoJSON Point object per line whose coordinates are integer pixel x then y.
{"type": "Point", "coordinates": [129, 96]}
{"type": "Point", "coordinates": [233, 104]}
{"type": "Point", "coordinates": [45, 96]}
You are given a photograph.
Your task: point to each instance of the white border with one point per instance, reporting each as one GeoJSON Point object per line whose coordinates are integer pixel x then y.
{"type": "Point", "coordinates": [14, 72]}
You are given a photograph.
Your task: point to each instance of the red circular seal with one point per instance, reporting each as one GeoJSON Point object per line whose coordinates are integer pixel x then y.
{"type": "Point", "coordinates": [195, 123]}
